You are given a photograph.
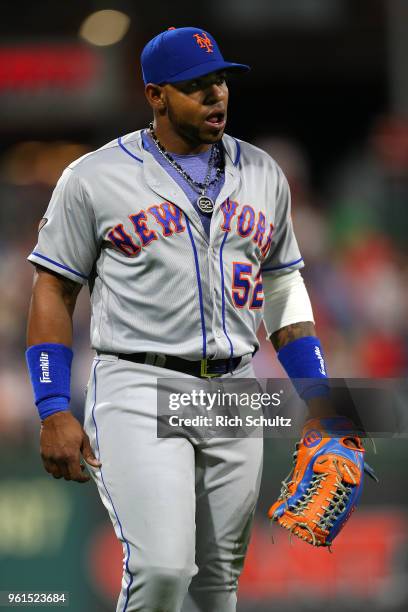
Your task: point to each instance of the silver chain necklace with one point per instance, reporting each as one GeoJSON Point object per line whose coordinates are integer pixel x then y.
{"type": "Point", "coordinates": [204, 202]}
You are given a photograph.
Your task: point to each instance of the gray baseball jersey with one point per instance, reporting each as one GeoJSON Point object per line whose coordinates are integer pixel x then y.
{"type": "Point", "coordinates": [158, 283]}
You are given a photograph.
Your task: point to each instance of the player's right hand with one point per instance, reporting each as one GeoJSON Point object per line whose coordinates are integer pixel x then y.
{"type": "Point", "coordinates": [62, 441]}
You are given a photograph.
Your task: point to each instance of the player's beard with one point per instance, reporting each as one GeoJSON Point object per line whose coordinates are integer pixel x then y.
{"type": "Point", "coordinates": [190, 133]}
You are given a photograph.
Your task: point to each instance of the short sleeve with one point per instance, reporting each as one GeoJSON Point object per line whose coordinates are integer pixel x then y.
{"type": "Point", "coordinates": [283, 255]}
{"type": "Point", "coordinates": [67, 241]}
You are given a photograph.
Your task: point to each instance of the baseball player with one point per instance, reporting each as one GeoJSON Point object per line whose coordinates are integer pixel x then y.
{"type": "Point", "coordinates": [184, 236]}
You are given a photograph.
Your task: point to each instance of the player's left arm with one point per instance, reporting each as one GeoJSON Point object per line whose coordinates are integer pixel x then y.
{"type": "Point", "coordinates": [329, 458]}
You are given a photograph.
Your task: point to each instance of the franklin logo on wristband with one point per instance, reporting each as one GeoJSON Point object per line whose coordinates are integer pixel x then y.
{"type": "Point", "coordinates": [319, 355]}
{"type": "Point", "coordinates": [51, 394]}
{"type": "Point", "coordinates": [304, 363]}
{"type": "Point", "coordinates": [45, 368]}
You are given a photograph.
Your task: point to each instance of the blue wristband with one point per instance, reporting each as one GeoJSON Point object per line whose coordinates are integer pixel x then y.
{"type": "Point", "coordinates": [304, 363]}
{"type": "Point", "coordinates": [49, 366]}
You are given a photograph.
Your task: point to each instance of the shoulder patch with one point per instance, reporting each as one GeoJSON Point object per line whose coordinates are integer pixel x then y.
{"type": "Point", "coordinates": [42, 223]}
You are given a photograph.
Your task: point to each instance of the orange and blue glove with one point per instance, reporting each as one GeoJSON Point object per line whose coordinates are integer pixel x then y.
{"type": "Point", "coordinates": [324, 487]}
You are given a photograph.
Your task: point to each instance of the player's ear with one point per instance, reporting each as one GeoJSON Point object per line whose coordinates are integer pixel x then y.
{"type": "Point", "coordinates": [156, 97]}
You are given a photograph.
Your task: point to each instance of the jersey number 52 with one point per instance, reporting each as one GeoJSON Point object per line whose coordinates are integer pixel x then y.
{"type": "Point", "coordinates": [244, 288]}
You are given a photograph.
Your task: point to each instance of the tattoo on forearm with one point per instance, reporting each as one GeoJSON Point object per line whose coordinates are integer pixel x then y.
{"type": "Point", "coordinates": [292, 332]}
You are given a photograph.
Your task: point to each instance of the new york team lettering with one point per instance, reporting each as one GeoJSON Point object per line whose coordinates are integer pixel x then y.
{"type": "Point", "coordinates": [167, 215]}
{"type": "Point", "coordinates": [246, 223]}
{"type": "Point", "coordinates": [169, 220]}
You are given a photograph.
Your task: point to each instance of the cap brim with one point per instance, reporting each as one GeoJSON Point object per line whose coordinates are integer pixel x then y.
{"type": "Point", "coordinates": [207, 68]}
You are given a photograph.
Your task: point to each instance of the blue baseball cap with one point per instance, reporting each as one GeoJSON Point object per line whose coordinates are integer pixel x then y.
{"type": "Point", "coordinates": [181, 54]}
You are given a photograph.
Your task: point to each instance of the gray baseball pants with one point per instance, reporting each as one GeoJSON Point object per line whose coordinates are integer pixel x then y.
{"type": "Point", "coordinates": [182, 509]}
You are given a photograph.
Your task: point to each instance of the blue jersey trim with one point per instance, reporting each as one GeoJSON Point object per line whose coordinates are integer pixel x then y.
{"type": "Point", "coordinates": [122, 146]}
{"type": "Point", "coordinates": [110, 499]}
{"type": "Point", "coordinates": [59, 265]}
{"type": "Point", "coordinates": [291, 263]}
{"type": "Point", "coordinates": [238, 155]}
{"type": "Point", "coordinates": [200, 291]}
{"type": "Point", "coordinates": [223, 296]}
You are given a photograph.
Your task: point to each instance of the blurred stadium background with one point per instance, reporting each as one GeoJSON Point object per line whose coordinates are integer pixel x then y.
{"type": "Point", "coordinates": [328, 98]}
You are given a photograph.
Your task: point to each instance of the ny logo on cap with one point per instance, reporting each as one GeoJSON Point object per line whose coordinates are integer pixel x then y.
{"type": "Point", "coordinates": [204, 42]}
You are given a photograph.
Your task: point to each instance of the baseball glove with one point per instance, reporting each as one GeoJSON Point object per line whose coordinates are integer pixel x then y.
{"type": "Point", "coordinates": [324, 487]}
